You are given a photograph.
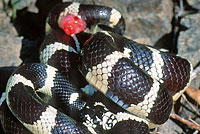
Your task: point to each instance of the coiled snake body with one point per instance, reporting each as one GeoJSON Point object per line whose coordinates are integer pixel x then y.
{"type": "Point", "coordinates": [105, 83]}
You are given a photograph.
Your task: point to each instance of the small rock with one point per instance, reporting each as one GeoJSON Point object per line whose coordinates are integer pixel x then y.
{"type": "Point", "coordinates": [9, 50]}
{"type": "Point", "coordinates": [170, 127]}
{"type": "Point", "coordinates": [20, 4]}
{"type": "Point", "coordinates": [1, 5]}
{"type": "Point", "coordinates": [188, 42]}
{"type": "Point", "coordinates": [5, 25]}
{"type": "Point", "coordinates": [190, 20]}
{"type": "Point", "coordinates": [149, 20]}
{"type": "Point", "coordinates": [194, 3]}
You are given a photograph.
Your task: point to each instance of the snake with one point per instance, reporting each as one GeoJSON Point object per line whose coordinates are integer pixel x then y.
{"type": "Point", "coordinates": [93, 82]}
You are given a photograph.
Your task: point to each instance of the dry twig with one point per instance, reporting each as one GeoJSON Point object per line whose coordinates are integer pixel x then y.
{"type": "Point", "coordinates": [179, 118]}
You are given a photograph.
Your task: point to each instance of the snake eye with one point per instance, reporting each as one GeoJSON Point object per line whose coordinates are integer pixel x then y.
{"type": "Point", "coordinates": [72, 24]}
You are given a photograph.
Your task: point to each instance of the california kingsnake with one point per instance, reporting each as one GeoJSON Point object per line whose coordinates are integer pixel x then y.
{"type": "Point", "coordinates": [137, 81]}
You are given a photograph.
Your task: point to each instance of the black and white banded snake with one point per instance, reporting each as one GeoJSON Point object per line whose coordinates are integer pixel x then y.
{"type": "Point", "coordinates": [130, 85]}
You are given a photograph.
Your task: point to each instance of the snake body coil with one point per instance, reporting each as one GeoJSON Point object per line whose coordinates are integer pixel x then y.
{"type": "Point", "coordinates": [112, 85]}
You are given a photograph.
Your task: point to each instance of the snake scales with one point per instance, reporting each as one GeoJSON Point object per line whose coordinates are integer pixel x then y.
{"type": "Point", "coordinates": [102, 83]}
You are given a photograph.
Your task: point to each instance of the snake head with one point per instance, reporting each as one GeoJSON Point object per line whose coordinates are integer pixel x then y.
{"type": "Point", "coordinates": [72, 24]}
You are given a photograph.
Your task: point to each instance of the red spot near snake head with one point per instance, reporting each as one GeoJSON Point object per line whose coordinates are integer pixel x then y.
{"type": "Point", "coordinates": [72, 24]}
